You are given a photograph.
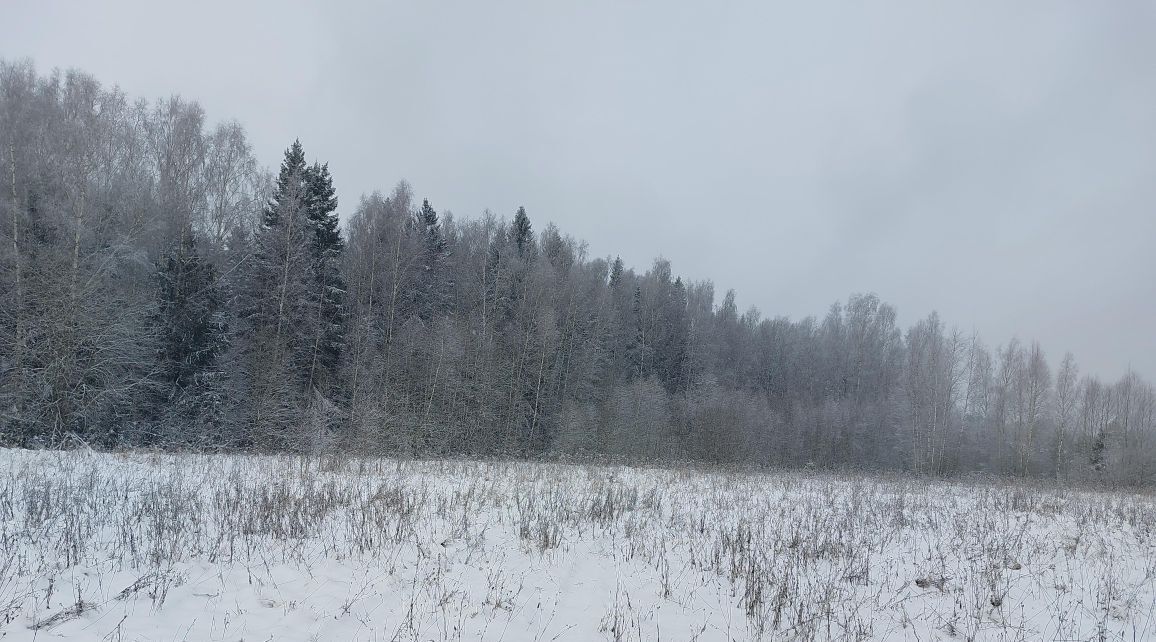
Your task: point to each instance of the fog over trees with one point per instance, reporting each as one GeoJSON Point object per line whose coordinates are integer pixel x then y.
{"type": "Point", "coordinates": [157, 288]}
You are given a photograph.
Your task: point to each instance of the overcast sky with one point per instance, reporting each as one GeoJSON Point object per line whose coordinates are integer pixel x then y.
{"type": "Point", "coordinates": [994, 161]}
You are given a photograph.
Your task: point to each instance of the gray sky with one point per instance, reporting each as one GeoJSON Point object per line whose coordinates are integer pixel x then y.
{"type": "Point", "coordinates": [994, 161]}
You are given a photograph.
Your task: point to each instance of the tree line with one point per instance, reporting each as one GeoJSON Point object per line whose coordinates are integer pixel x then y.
{"type": "Point", "coordinates": [158, 288]}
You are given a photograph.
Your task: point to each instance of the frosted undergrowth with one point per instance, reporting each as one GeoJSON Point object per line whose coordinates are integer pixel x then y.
{"type": "Point", "coordinates": [194, 547]}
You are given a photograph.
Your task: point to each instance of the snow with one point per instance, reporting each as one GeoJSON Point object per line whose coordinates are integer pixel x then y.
{"type": "Point", "coordinates": [142, 546]}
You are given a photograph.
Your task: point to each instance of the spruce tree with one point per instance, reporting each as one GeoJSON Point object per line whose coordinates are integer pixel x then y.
{"type": "Point", "coordinates": [522, 233]}
{"type": "Point", "coordinates": [433, 241]}
{"type": "Point", "coordinates": [616, 273]}
{"type": "Point", "coordinates": [329, 297]}
{"type": "Point", "coordinates": [321, 201]}
{"type": "Point", "coordinates": [294, 302]}
{"type": "Point", "coordinates": [191, 340]}
{"type": "Point", "coordinates": [292, 177]}
{"type": "Point", "coordinates": [279, 304]}
{"type": "Point", "coordinates": [431, 285]}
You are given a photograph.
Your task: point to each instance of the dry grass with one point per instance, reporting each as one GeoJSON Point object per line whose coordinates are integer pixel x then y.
{"type": "Point", "coordinates": [464, 550]}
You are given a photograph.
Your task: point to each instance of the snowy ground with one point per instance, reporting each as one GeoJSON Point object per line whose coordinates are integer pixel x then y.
{"type": "Point", "coordinates": [148, 547]}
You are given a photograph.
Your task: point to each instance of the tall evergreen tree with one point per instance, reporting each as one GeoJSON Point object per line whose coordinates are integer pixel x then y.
{"type": "Point", "coordinates": [280, 305]}
{"type": "Point", "coordinates": [321, 202]}
{"type": "Point", "coordinates": [431, 281]}
{"type": "Point", "coordinates": [330, 289]}
{"type": "Point", "coordinates": [431, 229]}
{"type": "Point", "coordinates": [616, 273]}
{"type": "Point", "coordinates": [522, 233]}
{"type": "Point", "coordinates": [291, 178]}
{"type": "Point", "coordinates": [191, 340]}
{"type": "Point", "coordinates": [295, 300]}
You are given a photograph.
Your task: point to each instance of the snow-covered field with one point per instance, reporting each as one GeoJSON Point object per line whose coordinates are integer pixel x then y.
{"type": "Point", "coordinates": [183, 547]}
